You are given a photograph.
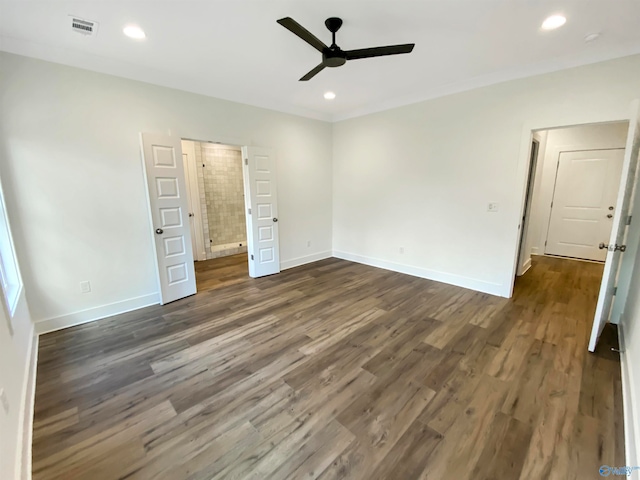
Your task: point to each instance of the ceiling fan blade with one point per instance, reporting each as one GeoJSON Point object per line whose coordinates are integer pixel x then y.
{"type": "Point", "coordinates": [297, 29]}
{"type": "Point", "coordinates": [313, 73]}
{"type": "Point", "coordinates": [379, 51]}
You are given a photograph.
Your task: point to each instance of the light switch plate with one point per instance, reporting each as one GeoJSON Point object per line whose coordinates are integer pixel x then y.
{"type": "Point", "coordinates": [493, 207]}
{"type": "Point", "coordinates": [85, 287]}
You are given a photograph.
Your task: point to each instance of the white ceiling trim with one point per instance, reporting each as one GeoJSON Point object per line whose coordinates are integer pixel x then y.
{"type": "Point", "coordinates": [122, 69]}
{"type": "Point", "coordinates": [126, 70]}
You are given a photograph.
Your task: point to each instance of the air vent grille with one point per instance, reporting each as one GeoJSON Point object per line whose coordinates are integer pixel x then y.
{"type": "Point", "coordinates": [85, 27]}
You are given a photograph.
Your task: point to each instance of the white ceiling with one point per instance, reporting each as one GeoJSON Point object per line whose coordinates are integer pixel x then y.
{"type": "Point", "coordinates": [235, 50]}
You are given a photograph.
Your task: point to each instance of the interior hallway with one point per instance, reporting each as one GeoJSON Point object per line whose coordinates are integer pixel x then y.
{"type": "Point", "coordinates": [336, 370]}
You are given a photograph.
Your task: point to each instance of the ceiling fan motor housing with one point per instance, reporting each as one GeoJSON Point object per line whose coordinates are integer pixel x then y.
{"type": "Point", "coordinates": [334, 57]}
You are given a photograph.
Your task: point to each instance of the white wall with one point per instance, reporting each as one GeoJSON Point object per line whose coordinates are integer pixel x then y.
{"type": "Point", "coordinates": [77, 196]}
{"type": "Point", "coordinates": [586, 137]}
{"type": "Point", "coordinates": [630, 326]}
{"type": "Point", "coordinates": [421, 176]}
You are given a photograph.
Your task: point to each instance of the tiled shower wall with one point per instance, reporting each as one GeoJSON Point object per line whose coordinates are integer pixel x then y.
{"type": "Point", "coordinates": [222, 199]}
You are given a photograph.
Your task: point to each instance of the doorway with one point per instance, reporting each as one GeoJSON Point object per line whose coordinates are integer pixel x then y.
{"type": "Point", "coordinates": [216, 199]}
{"type": "Point", "coordinates": [210, 184]}
{"type": "Point", "coordinates": [572, 190]}
{"type": "Point", "coordinates": [584, 165]}
{"type": "Point", "coordinates": [217, 212]}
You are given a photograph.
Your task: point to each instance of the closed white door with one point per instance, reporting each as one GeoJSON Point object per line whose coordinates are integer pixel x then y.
{"type": "Point", "coordinates": [584, 200]}
{"type": "Point", "coordinates": [169, 207]}
{"type": "Point", "coordinates": [619, 231]}
{"type": "Point", "coordinates": [261, 195]}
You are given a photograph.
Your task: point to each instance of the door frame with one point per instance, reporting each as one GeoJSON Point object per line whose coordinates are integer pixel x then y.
{"type": "Point", "coordinates": [195, 185]}
{"type": "Point", "coordinates": [199, 252]}
{"type": "Point", "coordinates": [525, 264]}
{"type": "Point", "coordinates": [522, 178]}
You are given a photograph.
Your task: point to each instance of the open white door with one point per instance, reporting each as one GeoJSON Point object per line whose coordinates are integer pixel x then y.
{"type": "Point", "coordinates": [260, 191]}
{"type": "Point", "coordinates": [168, 206]}
{"type": "Point", "coordinates": [619, 228]}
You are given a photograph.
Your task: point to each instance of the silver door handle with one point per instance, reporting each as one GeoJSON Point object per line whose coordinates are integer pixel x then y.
{"type": "Point", "coordinates": [622, 248]}
{"type": "Point", "coordinates": [275, 219]}
{"type": "Point", "coordinates": [159, 231]}
{"type": "Point", "coordinates": [609, 216]}
{"type": "Point", "coordinates": [602, 246]}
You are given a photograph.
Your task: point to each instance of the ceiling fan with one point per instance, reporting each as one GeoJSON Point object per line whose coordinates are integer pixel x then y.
{"type": "Point", "coordinates": [334, 56]}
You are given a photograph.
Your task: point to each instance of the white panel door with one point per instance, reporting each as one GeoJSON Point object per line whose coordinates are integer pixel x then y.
{"type": "Point", "coordinates": [620, 227]}
{"type": "Point", "coordinates": [261, 195]}
{"type": "Point", "coordinates": [168, 205]}
{"type": "Point", "coordinates": [584, 199]}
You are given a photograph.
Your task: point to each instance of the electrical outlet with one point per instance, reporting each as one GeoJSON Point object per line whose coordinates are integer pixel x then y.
{"type": "Point", "coordinates": [5, 401]}
{"type": "Point", "coordinates": [85, 287]}
{"type": "Point", "coordinates": [493, 207]}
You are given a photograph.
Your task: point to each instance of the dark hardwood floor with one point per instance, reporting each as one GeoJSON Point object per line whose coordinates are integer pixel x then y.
{"type": "Point", "coordinates": [336, 370]}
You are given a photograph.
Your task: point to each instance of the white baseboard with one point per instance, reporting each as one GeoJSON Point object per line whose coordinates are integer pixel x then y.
{"type": "Point", "coordinates": [103, 311]}
{"type": "Point", "coordinates": [631, 420]}
{"type": "Point", "coordinates": [296, 262]}
{"type": "Point", "coordinates": [458, 280]}
{"type": "Point", "coordinates": [28, 407]}
{"type": "Point", "coordinates": [525, 267]}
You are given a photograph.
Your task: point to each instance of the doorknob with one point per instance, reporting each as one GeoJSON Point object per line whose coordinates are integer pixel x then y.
{"type": "Point", "coordinates": [609, 216]}
{"type": "Point", "coordinates": [613, 248]}
{"type": "Point", "coordinates": [159, 231]}
{"type": "Point", "coordinates": [275, 219]}
{"type": "Point", "coordinates": [610, 207]}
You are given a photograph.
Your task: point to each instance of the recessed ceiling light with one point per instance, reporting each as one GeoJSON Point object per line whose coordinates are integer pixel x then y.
{"type": "Point", "coordinates": [329, 95]}
{"type": "Point", "coordinates": [133, 31]}
{"type": "Point", "coordinates": [553, 22]}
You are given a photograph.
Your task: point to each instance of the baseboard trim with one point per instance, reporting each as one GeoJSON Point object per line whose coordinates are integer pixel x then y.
{"type": "Point", "coordinates": [28, 409]}
{"type": "Point", "coordinates": [630, 418]}
{"type": "Point", "coordinates": [296, 262]}
{"type": "Point", "coordinates": [451, 279]}
{"type": "Point", "coordinates": [77, 318]}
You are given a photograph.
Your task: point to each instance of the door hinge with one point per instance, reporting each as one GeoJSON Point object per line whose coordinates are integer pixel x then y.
{"type": "Point", "coordinates": [545, 243]}
{"type": "Point", "coordinates": [629, 219]}
{"type": "Point", "coordinates": [551, 204]}
{"type": "Point", "coordinates": [249, 211]}
{"type": "Point", "coordinates": [614, 291]}
{"type": "Point", "coordinates": [246, 161]}
{"type": "Point", "coordinates": [251, 257]}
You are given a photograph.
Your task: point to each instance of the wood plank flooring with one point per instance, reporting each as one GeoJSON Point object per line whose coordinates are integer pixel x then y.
{"type": "Point", "coordinates": [336, 370]}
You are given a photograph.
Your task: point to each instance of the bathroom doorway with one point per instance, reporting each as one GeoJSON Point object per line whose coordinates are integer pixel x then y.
{"type": "Point", "coordinates": [217, 213]}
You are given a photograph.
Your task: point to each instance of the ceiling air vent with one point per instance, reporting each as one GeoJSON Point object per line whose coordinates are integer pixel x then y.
{"type": "Point", "coordinates": [85, 27]}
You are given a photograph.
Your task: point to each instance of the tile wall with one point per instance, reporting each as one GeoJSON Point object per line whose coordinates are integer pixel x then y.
{"type": "Point", "coordinates": [222, 199]}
